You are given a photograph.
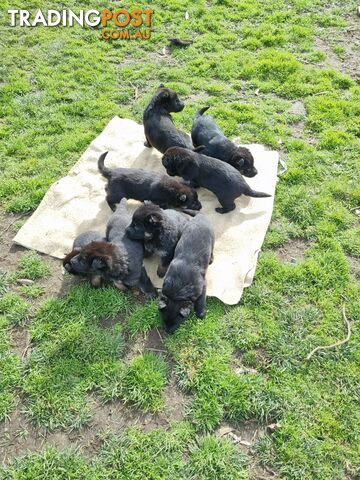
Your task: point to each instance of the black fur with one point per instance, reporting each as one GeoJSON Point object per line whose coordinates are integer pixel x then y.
{"type": "Point", "coordinates": [160, 131]}
{"type": "Point", "coordinates": [201, 171]}
{"type": "Point", "coordinates": [184, 287]}
{"type": "Point", "coordinates": [143, 185]}
{"type": "Point", "coordinates": [207, 134]}
{"type": "Point", "coordinates": [159, 230]}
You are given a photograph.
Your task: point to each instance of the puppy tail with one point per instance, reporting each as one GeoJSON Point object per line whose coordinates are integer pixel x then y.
{"type": "Point", "coordinates": [255, 194]}
{"type": "Point", "coordinates": [105, 172]}
{"type": "Point", "coordinates": [201, 112]}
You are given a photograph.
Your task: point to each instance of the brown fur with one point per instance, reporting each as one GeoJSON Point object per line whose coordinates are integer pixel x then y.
{"type": "Point", "coordinates": [70, 255]}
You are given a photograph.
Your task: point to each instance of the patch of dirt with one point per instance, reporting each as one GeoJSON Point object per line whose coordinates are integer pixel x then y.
{"type": "Point", "coordinates": [18, 436]}
{"type": "Point", "coordinates": [262, 362]}
{"type": "Point", "coordinates": [20, 341]}
{"type": "Point", "coordinates": [349, 39]}
{"type": "Point", "coordinates": [293, 251]}
{"type": "Point", "coordinates": [55, 284]}
{"type": "Point", "coordinates": [200, 97]}
{"type": "Point", "coordinates": [298, 108]}
{"type": "Point", "coordinates": [151, 341]}
{"type": "Point", "coordinates": [244, 436]}
{"type": "Point", "coordinates": [354, 264]}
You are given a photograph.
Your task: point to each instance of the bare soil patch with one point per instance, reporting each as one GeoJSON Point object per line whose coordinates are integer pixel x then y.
{"type": "Point", "coordinates": [293, 251]}
{"type": "Point", "coordinates": [347, 38]}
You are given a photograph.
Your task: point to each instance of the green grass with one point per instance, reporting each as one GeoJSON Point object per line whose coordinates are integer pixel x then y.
{"type": "Point", "coordinates": [135, 455]}
{"type": "Point", "coordinates": [250, 63]}
{"type": "Point", "coordinates": [31, 266]}
{"type": "Point", "coordinates": [72, 354]}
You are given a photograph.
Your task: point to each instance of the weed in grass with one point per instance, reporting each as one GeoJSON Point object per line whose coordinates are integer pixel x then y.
{"type": "Point", "coordinates": [143, 318]}
{"type": "Point", "coordinates": [136, 455]}
{"type": "Point", "coordinates": [9, 369]}
{"type": "Point", "coordinates": [49, 464]}
{"type": "Point", "coordinates": [4, 282]}
{"type": "Point", "coordinates": [216, 458]}
{"type": "Point", "coordinates": [32, 266]}
{"type": "Point", "coordinates": [15, 309]}
{"type": "Point", "coordinates": [32, 291]}
{"type": "Point", "coordinates": [143, 382]}
{"type": "Point", "coordinates": [72, 354]}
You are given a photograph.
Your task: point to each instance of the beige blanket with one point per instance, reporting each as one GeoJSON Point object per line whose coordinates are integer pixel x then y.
{"type": "Point", "coordinates": [77, 203]}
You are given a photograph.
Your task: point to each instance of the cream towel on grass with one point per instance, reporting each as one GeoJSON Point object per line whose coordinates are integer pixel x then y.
{"type": "Point", "coordinates": [77, 203]}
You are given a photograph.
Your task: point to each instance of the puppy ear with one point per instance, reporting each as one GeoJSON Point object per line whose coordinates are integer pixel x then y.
{"type": "Point", "coordinates": [98, 264]}
{"type": "Point", "coordinates": [240, 162]}
{"type": "Point", "coordinates": [185, 311]}
{"type": "Point", "coordinates": [183, 197]}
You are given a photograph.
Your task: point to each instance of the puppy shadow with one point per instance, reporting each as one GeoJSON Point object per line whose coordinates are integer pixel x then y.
{"type": "Point", "coordinates": [149, 159]}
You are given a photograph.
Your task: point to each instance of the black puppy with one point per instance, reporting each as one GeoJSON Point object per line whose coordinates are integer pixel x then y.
{"type": "Point", "coordinates": [206, 133]}
{"type": "Point", "coordinates": [184, 287]}
{"type": "Point", "coordinates": [118, 259]}
{"type": "Point", "coordinates": [160, 231]}
{"type": "Point", "coordinates": [143, 185]}
{"type": "Point", "coordinates": [160, 131]}
{"type": "Point", "coordinates": [201, 171]}
{"type": "Point", "coordinates": [76, 264]}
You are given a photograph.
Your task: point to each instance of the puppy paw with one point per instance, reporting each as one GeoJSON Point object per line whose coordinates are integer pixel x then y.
{"type": "Point", "coordinates": [225, 209]}
{"type": "Point", "coordinates": [153, 294]}
{"type": "Point", "coordinates": [201, 314]}
{"type": "Point", "coordinates": [96, 281]}
{"type": "Point", "coordinates": [120, 286]}
{"type": "Point", "coordinates": [220, 210]}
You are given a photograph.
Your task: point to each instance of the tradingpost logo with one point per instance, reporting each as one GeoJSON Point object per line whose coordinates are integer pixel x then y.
{"type": "Point", "coordinates": [120, 24]}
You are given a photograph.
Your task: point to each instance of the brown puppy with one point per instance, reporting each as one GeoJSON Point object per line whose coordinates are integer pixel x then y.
{"type": "Point", "coordinates": [78, 265]}
{"type": "Point", "coordinates": [160, 131]}
{"type": "Point", "coordinates": [201, 171]}
{"type": "Point", "coordinates": [143, 185]}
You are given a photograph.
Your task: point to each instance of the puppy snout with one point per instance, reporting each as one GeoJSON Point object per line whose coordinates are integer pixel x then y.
{"type": "Point", "coordinates": [179, 106]}
{"type": "Point", "coordinates": [197, 205]}
{"type": "Point", "coordinates": [251, 173]}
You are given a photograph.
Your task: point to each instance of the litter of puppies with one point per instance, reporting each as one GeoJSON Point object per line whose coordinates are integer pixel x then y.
{"type": "Point", "coordinates": [183, 239]}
